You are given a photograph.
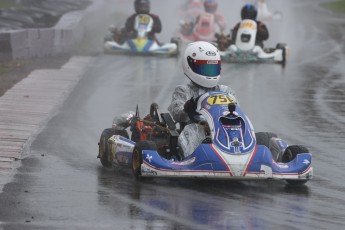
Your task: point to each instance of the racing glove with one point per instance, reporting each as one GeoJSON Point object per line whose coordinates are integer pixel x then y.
{"type": "Point", "coordinates": [190, 106]}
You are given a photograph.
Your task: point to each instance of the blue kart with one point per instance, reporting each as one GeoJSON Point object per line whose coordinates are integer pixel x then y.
{"type": "Point", "coordinates": [232, 150]}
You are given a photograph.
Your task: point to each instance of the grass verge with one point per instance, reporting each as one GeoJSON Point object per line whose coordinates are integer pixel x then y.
{"type": "Point", "coordinates": [337, 6]}
{"type": "Point", "coordinates": [7, 4]}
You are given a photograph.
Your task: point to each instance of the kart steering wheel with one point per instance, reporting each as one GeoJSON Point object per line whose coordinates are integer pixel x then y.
{"type": "Point", "coordinates": [154, 112]}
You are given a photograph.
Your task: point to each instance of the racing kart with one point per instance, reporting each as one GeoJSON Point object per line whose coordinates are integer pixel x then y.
{"type": "Point", "coordinates": [231, 149]}
{"type": "Point", "coordinates": [245, 50]}
{"type": "Point", "coordinates": [203, 30]}
{"type": "Point", "coordinates": [119, 42]}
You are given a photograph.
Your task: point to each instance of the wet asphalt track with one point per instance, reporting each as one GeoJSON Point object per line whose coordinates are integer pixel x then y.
{"type": "Point", "coordinates": [61, 184]}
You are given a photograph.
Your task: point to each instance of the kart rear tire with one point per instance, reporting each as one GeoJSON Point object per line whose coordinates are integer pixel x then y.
{"type": "Point", "coordinates": [289, 154]}
{"type": "Point", "coordinates": [263, 138]}
{"type": "Point", "coordinates": [283, 47]}
{"type": "Point", "coordinates": [137, 157]}
{"type": "Point", "coordinates": [103, 153]}
{"type": "Point", "coordinates": [177, 41]}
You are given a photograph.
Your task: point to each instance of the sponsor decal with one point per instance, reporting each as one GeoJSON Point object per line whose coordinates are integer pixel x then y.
{"type": "Point", "coordinates": [306, 162]}
{"type": "Point", "coordinates": [183, 163]}
{"type": "Point", "coordinates": [146, 171]}
{"type": "Point", "coordinates": [211, 53]}
{"type": "Point", "coordinates": [236, 144]}
{"type": "Point", "coordinates": [149, 158]}
{"type": "Point", "coordinates": [121, 158]}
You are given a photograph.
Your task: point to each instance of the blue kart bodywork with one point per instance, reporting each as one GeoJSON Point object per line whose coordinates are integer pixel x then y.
{"type": "Point", "coordinates": [231, 151]}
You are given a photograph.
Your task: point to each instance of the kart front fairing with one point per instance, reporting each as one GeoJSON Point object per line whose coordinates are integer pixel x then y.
{"type": "Point", "coordinates": [256, 54]}
{"type": "Point", "coordinates": [140, 46]}
{"type": "Point", "coordinates": [230, 128]}
{"type": "Point", "coordinates": [232, 154]}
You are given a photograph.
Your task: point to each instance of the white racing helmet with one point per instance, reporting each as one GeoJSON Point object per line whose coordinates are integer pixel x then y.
{"type": "Point", "coordinates": [202, 64]}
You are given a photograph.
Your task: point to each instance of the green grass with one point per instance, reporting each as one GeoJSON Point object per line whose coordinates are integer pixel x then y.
{"type": "Point", "coordinates": [7, 3]}
{"type": "Point", "coordinates": [337, 6]}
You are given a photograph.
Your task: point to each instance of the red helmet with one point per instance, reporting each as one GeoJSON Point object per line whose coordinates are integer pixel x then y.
{"type": "Point", "coordinates": [210, 6]}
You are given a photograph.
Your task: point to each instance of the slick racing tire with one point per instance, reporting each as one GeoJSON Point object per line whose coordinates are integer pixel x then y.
{"type": "Point", "coordinates": [137, 157]}
{"type": "Point", "coordinates": [177, 41]}
{"type": "Point", "coordinates": [283, 47]}
{"type": "Point", "coordinates": [104, 146]}
{"type": "Point", "coordinates": [263, 138]}
{"type": "Point", "coordinates": [289, 154]}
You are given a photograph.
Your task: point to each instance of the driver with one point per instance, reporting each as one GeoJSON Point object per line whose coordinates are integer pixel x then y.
{"type": "Point", "coordinates": [202, 65]}
{"type": "Point", "coordinates": [211, 7]}
{"type": "Point", "coordinates": [205, 21]}
{"type": "Point", "coordinates": [249, 11]}
{"type": "Point", "coordinates": [143, 7]}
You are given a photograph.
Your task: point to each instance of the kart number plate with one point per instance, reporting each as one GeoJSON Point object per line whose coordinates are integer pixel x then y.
{"type": "Point", "coordinates": [248, 25]}
{"type": "Point", "coordinates": [144, 19]}
{"type": "Point", "coordinates": [220, 99]}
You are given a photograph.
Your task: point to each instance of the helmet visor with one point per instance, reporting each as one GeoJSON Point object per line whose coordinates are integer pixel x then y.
{"type": "Point", "coordinates": [209, 68]}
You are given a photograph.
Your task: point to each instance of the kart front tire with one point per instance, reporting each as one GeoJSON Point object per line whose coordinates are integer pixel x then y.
{"type": "Point", "coordinates": [292, 151]}
{"type": "Point", "coordinates": [103, 153]}
{"type": "Point", "coordinates": [289, 154]}
{"type": "Point", "coordinates": [263, 138]}
{"type": "Point", "coordinates": [137, 157]}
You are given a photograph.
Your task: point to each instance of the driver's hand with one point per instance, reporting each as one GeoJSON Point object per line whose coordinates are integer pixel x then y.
{"type": "Point", "coordinates": [190, 106]}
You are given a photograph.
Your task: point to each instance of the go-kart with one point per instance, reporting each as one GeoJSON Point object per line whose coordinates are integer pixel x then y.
{"type": "Point", "coordinates": [245, 50]}
{"type": "Point", "coordinates": [119, 42]}
{"type": "Point", "coordinates": [231, 149]}
{"type": "Point", "coordinates": [203, 30]}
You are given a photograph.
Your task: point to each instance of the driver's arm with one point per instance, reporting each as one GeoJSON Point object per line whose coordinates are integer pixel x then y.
{"type": "Point", "coordinates": [130, 23]}
{"type": "Point", "coordinates": [176, 108]}
{"type": "Point", "coordinates": [262, 32]}
{"type": "Point", "coordinates": [157, 24]}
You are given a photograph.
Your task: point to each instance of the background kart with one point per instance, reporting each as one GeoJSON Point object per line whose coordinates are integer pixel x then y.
{"type": "Point", "coordinates": [117, 42]}
{"type": "Point", "coordinates": [231, 150]}
{"type": "Point", "coordinates": [245, 50]}
{"type": "Point", "coordinates": [204, 28]}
